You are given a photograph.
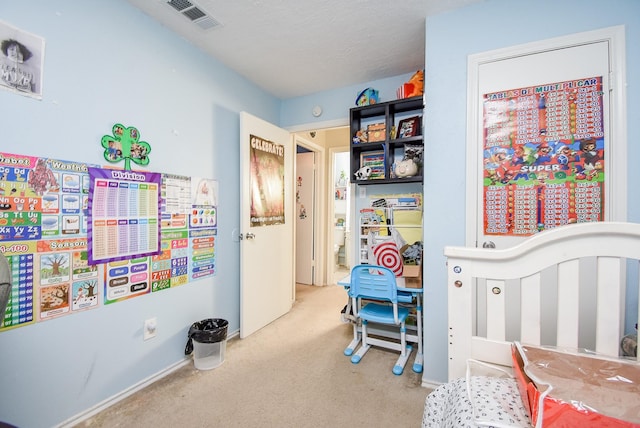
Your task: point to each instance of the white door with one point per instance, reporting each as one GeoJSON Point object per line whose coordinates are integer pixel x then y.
{"type": "Point", "coordinates": [514, 131]}
{"type": "Point", "coordinates": [266, 254]}
{"type": "Point", "coordinates": [305, 217]}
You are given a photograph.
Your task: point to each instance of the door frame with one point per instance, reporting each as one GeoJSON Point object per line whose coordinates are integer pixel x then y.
{"type": "Point", "coordinates": [615, 37]}
{"type": "Point", "coordinates": [319, 245]}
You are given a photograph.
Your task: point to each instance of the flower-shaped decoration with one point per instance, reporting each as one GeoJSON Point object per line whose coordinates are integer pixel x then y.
{"type": "Point", "coordinates": [125, 144]}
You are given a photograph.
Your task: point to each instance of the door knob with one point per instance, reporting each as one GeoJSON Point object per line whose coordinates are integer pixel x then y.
{"type": "Point", "coordinates": [488, 244]}
{"type": "Point", "coordinates": [249, 236]}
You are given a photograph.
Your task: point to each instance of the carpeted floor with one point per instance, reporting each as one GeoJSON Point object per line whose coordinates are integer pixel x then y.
{"type": "Point", "coordinates": [291, 373]}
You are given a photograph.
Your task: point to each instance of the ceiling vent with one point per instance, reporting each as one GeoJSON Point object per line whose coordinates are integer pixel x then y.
{"type": "Point", "coordinates": [194, 13]}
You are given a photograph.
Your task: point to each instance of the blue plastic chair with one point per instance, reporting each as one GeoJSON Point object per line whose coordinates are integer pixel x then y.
{"type": "Point", "coordinates": [378, 283]}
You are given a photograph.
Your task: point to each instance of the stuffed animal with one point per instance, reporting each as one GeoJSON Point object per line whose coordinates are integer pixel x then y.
{"type": "Point", "coordinates": [360, 137]}
{"type": "Point", "coordinates": [406, 168]}
{"type": "Point", "coordinates": [415, 85]}
{"type": "Point", "coordinates": [363, 173]}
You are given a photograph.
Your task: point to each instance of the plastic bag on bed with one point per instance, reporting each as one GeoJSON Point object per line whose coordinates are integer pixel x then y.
{"type": "Point", "coordinates": [567, 388]}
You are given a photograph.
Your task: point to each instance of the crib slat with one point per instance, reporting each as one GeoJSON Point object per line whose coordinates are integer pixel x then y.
{"type": "Point", "coordinates": [568, 303]}
{"type": "Point", "coordinates": [609, 309]}
{"type": "Point", "coordinates": [530, 310]}
{"type": "Point", "coordinates": [496, 311]}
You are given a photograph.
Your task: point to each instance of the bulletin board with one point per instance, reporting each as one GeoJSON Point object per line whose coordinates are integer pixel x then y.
{"type": "Point", "coordinates": [44, 225]}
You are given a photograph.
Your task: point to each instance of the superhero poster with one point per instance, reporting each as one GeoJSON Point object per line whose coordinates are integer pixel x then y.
{"type": "Point", "coordinates": [543, 157]}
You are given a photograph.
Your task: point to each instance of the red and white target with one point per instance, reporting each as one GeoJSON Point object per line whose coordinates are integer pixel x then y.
{"type": "Point", "coordinates": [387, 255]}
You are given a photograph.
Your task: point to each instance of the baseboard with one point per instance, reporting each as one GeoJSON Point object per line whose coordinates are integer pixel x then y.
{"type": "Point", "coordinates": [431, 384]}
{"type": "Point", "coordinates": [86, 414]}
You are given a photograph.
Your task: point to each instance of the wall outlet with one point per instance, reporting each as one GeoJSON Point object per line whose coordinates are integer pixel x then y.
{"type": "Point", "coordinates": [149, 329]}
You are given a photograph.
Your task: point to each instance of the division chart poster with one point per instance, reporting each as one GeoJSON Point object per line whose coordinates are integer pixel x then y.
{"type": "Point", "coordinates": [124, 215]}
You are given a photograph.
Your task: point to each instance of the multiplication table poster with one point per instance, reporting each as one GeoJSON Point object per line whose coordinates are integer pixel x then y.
{"type": "Point", "coordinates": [543, 157]}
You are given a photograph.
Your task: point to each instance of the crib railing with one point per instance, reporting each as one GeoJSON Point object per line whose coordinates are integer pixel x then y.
{"type": "Point", "coordinates": [565, 287]}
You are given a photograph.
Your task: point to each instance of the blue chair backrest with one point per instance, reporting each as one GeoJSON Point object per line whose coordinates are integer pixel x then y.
{"type": "Point", "coordinates": [379, 285]}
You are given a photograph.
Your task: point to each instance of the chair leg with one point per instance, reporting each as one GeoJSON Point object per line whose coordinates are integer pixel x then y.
{"type": "Point", "coordinates": [354, 342]}
{"type": "Point", "coordinates": [403, 339]}
{"type": "Point", "coordinates": [355, 359]}
{"type": "Point", "coordinates": [405, 350]}
{"type": "Point", "coordinates": [402, 361]}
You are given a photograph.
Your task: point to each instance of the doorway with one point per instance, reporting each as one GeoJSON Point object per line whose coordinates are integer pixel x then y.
{"type": "Point", "coordinates": [305, 215]}
{"type": "Point", "coordinates": [340, 183]}
{"type": "Point", "coordinates": [325, 143]}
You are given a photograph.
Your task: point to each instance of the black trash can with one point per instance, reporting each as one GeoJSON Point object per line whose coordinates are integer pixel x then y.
{"type": "Point", "coordinates": [208, 341]}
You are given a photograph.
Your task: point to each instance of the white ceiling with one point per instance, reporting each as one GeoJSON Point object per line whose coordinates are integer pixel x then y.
{"type": "Point", "coordinates": [297, 47]}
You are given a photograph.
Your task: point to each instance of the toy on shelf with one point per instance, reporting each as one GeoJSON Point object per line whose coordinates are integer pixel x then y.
{"type": "Point", "coordinates": [406, 168]}
{"type": "Point", "coordinates": [412, 88]}
{"type": "Point", "coordinates": [363, 173]}
{"type": "Point", "coordinates": [367, 97]}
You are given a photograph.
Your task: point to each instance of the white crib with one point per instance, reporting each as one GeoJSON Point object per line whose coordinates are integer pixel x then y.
{"type": "Point", "coordinates": [566, 287]}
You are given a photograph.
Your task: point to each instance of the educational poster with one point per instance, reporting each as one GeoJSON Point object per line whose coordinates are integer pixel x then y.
{"type": "Point", "coordinates": [44, 219]}
{"type": "Point", "coordinates": [202, 243]}
{"type": "Point", "coordinates": [21, 61]}
{"type": "Point", "coordinates": [543, 157]}
{"type": "Point", "coordinates": [189, 226]}
{"type": "Point", "coordinates": [175, 201]}
{"type": "Point", "coordinates": [124, 279]}
{"type": "Point", "coordinates": [21, 308]}
{"type": "Point", "coordinates": [65, 281]}
{"type": "Point", "coordinates": [266, 182]}
{"type": "Point", "coordinates": [204, 222]}
{"type": "Point", "coordinates": [124, 214]}
{"type": "Point", "coordinates": [43, 234]}
{"type": "Point", "coordinates": [176, 209]}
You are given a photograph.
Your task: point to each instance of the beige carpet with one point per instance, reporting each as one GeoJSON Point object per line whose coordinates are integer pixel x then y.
{"type": "Point", "coordinates": [291, 373]}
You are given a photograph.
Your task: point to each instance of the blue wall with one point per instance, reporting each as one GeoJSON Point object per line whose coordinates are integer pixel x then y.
{"type": "Point", "coordinates": [335, 103]}
{"type": "Point", "coordinates": [450, 39]}
{"type": "Point", "coordinates": [106, 62]}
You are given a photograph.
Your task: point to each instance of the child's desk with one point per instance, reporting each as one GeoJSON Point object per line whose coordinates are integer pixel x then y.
{"type": "Point", "coordinates": [407, 296]}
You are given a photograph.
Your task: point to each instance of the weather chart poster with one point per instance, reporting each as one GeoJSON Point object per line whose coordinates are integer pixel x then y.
{"type": "Point", "coordinates": [45, 218]}
{"type": "Point", "coordinates": [543, 157]}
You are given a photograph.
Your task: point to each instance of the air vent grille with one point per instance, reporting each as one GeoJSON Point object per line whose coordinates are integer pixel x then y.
{"type": "Point", "coordinates": [194, 13]}
{"type": "Point", "coordinates": [180, 5]}
{"type": "Point", "coordinates": [207, 23]}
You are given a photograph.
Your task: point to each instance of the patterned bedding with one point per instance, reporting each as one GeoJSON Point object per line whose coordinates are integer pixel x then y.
{"type": "Point", "coordinates": [484, 401]}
